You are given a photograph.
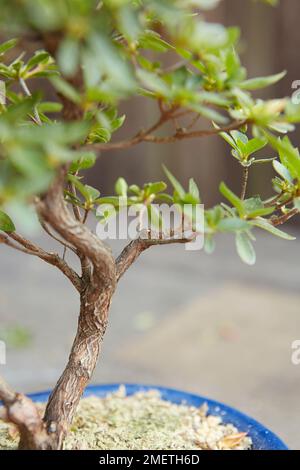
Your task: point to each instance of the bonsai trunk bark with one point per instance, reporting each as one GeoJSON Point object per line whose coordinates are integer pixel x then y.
{"type": "Point", "coordinates": [84, 354]}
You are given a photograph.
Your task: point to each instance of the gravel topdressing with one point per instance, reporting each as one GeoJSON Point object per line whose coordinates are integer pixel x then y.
{"type": "Point", "coordinates": [143, 422]}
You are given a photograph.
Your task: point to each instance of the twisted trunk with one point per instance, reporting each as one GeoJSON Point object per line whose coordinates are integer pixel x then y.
{"type": "Point", "coordinates": [95, 297]}
{"type": "Point", "coordinates": [83, 358]}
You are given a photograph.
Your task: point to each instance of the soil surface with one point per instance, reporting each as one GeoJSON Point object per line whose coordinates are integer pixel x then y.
{"type": "Point", "coordinates": [142, 422]}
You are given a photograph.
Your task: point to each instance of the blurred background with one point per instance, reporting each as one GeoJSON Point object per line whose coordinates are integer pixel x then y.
{"type": "Point", "coordinates": [208, 324]}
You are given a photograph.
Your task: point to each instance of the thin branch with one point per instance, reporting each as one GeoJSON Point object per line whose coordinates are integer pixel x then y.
{"type": "Point", "coordinates": [84, 261]}
{"type": "Point", "coordinates": [282, 204]}
{"type": "Point", "coordinates": [147, 136]}
{"type": "Point", "coordinates": [182, 135]}
{"type": "Point", "coordinates": [284, 218]}
{"type": "Point", "coordinates": [85, 216]}
{"type": "Point", "coordinates": [193, 121]}
{"type": "Point", "coordinates": [26, 246]}
{"type": "Point", "coordinates": [245, 182]}
{"type": "Point", "coordinates": [273, 201]}
{"type": "Point", "coordinates": [181, 114]}
{"type": "Point", "coordinates": [75, 208]}
{"type": "Point", "coordinates": [4, 239]}
{"type": "Point", "coordinates": [140, 136]}
{"type": "Point", "coordinates": [176, 66]}
{"type": "Point", "coordinates": [59, 240]}
{"type": "Point", "coordinates": [133, 250]}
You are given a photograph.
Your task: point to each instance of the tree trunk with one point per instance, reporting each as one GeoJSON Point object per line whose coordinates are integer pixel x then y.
{"type": "Point", "coordinates": [62, 404]}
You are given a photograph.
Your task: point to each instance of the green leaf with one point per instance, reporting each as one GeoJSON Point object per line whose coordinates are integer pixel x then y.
{"type": "Point", "coordinates": [153, 82]}
{"type": "Point", "coordinates": [6, 224]}
{"type": "Point", "coordinates": [154, 188]}
{"type": "Point", "coordinates": [194, 190]}
{"type": "Point", "coordinates": [18, 111]}
{"type": "Point", "coordinates": [165, 198]}
{"type": "Point", "coordinates": [282, 171]}
{"type": "Point", "coordinates": [84, 161]}
{"type": "Point", "coordinates": [38, 58]}
{"type": "Point", "coordinates": [261, 161]}
{"type": "Point", "coordinates": [107, 213]}
{"type": "Point", "coordinates": [245, 248]}
{"type": "Point", "coordinates": [265, 225]}
{"type": "Point", "coordinates": [175, 183]}
{"type": "Point", "coordinates": [190, 199]}
{"type": "Point", "coordinates": [107, 61]}
{"type": "Point", "coordinates": [213, 216]}
{"type": "Point", "coordinates": [261, 82]}
{"type": "Point", "coordinates": [135, 189]}
{"type": "Point", "coordinates": [289, 155]}
{"type": "Point", "coordinates": [282, 127]}
{"type": "Point", "coordinates": [91, 194]}
{"type": "Point", "coordinates": [292, 111]}
{"type": "Point", "coordinates": [66, 89]}
{"type": "Point", "coordinates": [252, 204]}
{"type": "Point", "coordinates": [209, 113]}
{"type": "Point", "coordinates": [5, 46]}
{"type": "Point", "coordinates": [297, 203]}
{"type": "Point", "coordinates": [121, 187]}
{"type": "Point", "coordinates": [228, 139]}
{"type": "Point", "coordinates": [117, 123]}
{"type": "Point", "coordinates": [209, 244]}
{"type": "Point", "coordinates": [154, 217]}
{"type": "Point", "coordinates": [239, 137]}
{"type": "Point", "coordinates": [254, 207]}
{"type": "Point", "coordinates": [254, 145]}
{"type": "Point", "coordinates": [232, 224]}
{"type": "Point", "coordinates": [113, 200]}
{"type": "Point", "coordinates": [77, 183]}
{"type": "Point", "coordinates": [99, 135]}
{"type": "Point", "coordinates": [260, 212]}
{"type": "Point", "coordinates": [128, 22]}
{"type": "Point", "coordinates": [152, 40]}
{"type": "Point", "coordinates": [235, 200]}
{"type": "Point", "coordinates": [68, 57]}
{"type": "Point", "coordinates": [208, 36]}
{"type": "Point", "coordinates": [49, 107]}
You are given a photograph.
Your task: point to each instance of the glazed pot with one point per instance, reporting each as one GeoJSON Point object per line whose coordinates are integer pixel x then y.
{"type": "Point", "coordinates": [262, 438]}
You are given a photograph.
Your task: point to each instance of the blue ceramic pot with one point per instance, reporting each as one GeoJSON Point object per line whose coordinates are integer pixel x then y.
{"type": "Point", "coordinates": [262, 438]}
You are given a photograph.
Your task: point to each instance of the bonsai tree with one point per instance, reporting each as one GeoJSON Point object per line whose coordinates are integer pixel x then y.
{"type": "Point", "coordinates": [94, 54]}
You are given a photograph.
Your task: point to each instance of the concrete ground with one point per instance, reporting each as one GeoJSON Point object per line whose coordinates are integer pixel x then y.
{"type": "Point", "coordinates": [207, 324]}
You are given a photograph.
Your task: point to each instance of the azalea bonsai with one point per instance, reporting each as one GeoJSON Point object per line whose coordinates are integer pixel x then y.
{"type": "Point", "coordinates": [94, 54]}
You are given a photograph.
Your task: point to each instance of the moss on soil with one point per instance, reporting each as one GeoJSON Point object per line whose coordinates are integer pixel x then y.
{"type": "Point", "coordinates": [143, 421]}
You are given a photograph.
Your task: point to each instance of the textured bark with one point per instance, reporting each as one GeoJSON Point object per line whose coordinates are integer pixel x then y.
{"type": "Point", "coordinates": [21, 411]}
{"type": "Point", "coordinates": [95, 298]}
{"type": "Point", "coordinates": [135, 248]}
{"type": "Point", "coordinates": [81, 364]}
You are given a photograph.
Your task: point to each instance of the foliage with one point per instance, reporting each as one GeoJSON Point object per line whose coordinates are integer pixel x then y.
{"type": "Point", "coordinates": [118, 50]}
